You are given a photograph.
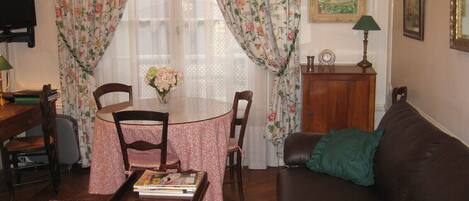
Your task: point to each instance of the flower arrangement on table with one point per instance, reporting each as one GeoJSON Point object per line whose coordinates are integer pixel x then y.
{"type": "Point", "coordinates": [163, 79]}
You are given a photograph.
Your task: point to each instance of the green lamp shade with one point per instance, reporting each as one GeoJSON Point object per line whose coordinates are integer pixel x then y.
{"type": "Point", "coordinates": [4, 65]}
{"type": "Point", "coordinates": [366, 22]}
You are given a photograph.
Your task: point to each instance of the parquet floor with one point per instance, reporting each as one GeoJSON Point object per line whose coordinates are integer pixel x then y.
{"type": "Point", "coordinates": [259, 185]}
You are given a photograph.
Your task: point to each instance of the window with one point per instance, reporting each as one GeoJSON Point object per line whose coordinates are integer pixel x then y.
{"type": "Point", "coordinates": [187, 34]}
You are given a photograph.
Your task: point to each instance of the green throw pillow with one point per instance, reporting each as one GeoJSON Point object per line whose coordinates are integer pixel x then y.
{"type": "Point", "coordinates": [347, 154]}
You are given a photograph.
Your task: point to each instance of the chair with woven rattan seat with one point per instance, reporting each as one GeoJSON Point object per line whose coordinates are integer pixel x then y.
{"type": "Point", "coordinates": [235, 145]}
{"type": "Point", "coordinates": [142, 154]}
{"type": "Point", "coordinates": [109, 88]}
{"type": "Point", "coordinates": [44, 144]}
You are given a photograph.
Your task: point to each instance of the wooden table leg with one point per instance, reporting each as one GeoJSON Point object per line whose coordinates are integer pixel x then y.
{"type": "Point", "coordinates": [7, 174]}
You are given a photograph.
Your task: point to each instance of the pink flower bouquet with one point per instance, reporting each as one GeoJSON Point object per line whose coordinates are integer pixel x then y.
{"type": "Point", "coordinates": [163, 79]}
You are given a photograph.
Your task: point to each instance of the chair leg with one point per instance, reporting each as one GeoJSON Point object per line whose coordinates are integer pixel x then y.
{"type": "Point", "coordinates": [231, 169]}
{"type": "Point", "coordinates": [239, 170]}
{"type": "Point", "coordinates": [7, 171]}
{"type": "Point", "coordinates": [14, 159]}
{"type": "Point", "coordinates": [54, 168]}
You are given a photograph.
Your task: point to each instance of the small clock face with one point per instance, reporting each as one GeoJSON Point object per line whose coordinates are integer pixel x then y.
{"type": "Point", "coordinates": [326, 57]}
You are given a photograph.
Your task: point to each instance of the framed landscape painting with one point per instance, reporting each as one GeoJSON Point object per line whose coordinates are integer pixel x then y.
{"type": "Point", "coordinates": [414, 18]}
{"type": "Point", "coordinates": [336, 10]}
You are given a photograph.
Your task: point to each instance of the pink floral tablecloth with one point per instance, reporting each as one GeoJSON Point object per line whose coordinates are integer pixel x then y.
{"type": "Point", "coordinates": [199, 145]}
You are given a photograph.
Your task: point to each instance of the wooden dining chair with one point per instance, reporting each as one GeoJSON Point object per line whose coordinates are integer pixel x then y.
{"type": "Point", "coordinates": [156, 156]}
{"type": "Point", "coordinates": [109, 88]}
{"type": "Point", "coordinates": [236, 145]}
{"type": "Point", "coordinates": [44, 144]}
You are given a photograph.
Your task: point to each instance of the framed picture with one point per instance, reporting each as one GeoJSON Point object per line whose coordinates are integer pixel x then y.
{"type": "Point", "coordinates": [414, 18]}
{"type": "Point", "coordinates": [336, 10]}
{"type": "Point", "coordinates": [459, 23]}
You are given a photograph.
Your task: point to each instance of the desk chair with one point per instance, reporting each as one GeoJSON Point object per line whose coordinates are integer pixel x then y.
{"type": "Point", "coordinates": [109, 88]}
{"type": "Point", "coordinates": [33, 146]}
{"type": "Point", "coordinates": [236, 145]}
{"type": "Point", "coordinates": [155, 156]}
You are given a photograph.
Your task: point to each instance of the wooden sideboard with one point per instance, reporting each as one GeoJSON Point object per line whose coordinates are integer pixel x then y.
{"type": "Point", "coordinates": [341, 96]}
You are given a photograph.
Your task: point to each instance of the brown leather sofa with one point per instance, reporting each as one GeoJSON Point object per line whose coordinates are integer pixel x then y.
{"type": "Point", "coordinates": [415, 161]}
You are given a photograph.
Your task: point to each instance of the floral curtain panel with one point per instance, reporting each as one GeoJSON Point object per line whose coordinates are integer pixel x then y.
{"type": "Point", "coordinates": [85, 29]}
{"type": "Point", "coordinates": [267, 31]}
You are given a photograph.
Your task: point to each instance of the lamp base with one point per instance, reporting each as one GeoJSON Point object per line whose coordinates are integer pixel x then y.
{"type": "Point", "coordinates": [3, 101]}
{"type": "Point", "coordinates": [364, 64]}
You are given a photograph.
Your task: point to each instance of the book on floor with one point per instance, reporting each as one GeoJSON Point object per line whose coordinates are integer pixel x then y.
{"type": "Point", "coordinates": [168, 185]}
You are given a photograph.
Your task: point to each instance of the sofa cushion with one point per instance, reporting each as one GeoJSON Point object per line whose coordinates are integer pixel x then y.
{"type": "Point", "coordinates": [445, 175]}
{"type": "Point", "coordinates": [347, 154]}
{"type": "Point", "coordinates": [301, 184]}
{"type": "Point", "coordinates": [415, 160]}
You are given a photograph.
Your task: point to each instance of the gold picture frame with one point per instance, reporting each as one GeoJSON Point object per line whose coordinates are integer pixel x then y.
{"type": "Point", "coordinates": [459, 34]}
{"type": "Point", "coordinates": [336, 10]}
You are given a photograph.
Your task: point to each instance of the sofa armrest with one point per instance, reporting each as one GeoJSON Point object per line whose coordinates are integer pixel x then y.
{"type": "Point", "coordinates": [298, 147]}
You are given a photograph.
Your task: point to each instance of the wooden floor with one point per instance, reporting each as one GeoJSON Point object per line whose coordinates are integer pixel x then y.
{"type": "Point", "coordinates": [259, 185]}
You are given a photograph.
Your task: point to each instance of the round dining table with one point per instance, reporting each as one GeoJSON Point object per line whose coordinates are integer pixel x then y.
{"type": "Point", "coordinates": [198, 132]}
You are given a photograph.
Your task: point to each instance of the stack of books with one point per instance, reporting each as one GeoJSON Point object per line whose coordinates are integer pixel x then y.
{"type": "Point", "coordinates": [155, 184]}
{"type": "Point", "coordinates": [32, 96]}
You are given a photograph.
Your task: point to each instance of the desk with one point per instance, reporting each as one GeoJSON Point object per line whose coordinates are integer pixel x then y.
{"type": "Point", "coordinates": [197, 133]}
{"type": "Point", "coordinates": [15, 119]}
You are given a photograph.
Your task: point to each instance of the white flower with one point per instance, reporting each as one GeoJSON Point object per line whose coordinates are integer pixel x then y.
{"type": "Point", "coordinates": [163, 78]}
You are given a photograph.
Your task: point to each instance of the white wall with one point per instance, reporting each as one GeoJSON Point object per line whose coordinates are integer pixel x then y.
{"type": "Point", "coordinates": [436, 76]}
{"type": "Point", "coordinates": [36, 66]}
{"type": "Point", "coordinates": [347, 44]}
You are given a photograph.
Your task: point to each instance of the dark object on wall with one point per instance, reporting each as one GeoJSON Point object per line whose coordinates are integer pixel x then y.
{"type": "Point", "coordinates": [17, 14]}
{"type": "Point", "coordinates": [459, 38]}
{"type": "Point", "coordinates": [414, 19]}
{"type": "Point", "coordinates": [338, 97]}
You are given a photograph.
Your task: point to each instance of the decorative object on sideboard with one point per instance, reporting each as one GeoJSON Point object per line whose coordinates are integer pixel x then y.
{"type": "Point", "coordinates": [326, 57]}
{"type": "Point", "coordinates": [310, 63]}
{"type": "Point", "coordinates": [366, 23]}
{"type": "Point", "coordinates": [414, 18]}
{"type": "Point", "coordinates": [336, 11]}
{"type": "Point", "coordinates": [459, 30]}
{"type": "Point", "coordinates": [4, 66]}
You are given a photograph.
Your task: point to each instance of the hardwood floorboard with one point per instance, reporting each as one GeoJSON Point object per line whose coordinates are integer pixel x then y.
{"type": "Point", "coordinates": [259, 185]}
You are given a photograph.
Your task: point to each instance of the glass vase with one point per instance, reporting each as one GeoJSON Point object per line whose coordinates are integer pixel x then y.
{"type": "Point", "coordinates": [164, 97]}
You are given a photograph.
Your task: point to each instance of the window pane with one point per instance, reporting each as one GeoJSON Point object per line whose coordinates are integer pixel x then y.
{"type": "Point", "coordinates": [152, 9]}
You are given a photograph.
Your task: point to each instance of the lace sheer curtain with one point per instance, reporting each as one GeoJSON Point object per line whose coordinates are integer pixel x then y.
{"type": "Point", "coordinates": [190, 35]}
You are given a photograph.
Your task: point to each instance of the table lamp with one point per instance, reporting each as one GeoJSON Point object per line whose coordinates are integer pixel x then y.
{"type": "Point", "coordinates": [366, 23]}
{"type": "Point", "coordinates": [4, 65]}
